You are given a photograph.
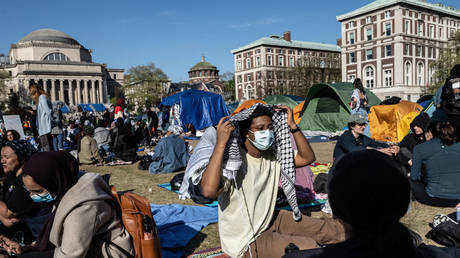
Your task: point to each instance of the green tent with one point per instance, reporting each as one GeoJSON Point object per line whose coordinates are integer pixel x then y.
{"type": "Point", "coordinates": [326, 107]}
{"type": "Point", "coordinates": [280, 100]}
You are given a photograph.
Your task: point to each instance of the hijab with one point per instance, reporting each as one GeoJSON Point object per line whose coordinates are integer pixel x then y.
{"type": "Point", "coordinates": [57, 172]}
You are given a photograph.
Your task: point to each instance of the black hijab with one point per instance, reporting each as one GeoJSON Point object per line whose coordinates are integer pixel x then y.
{"type": "Point", "coordinates": [57, 172]}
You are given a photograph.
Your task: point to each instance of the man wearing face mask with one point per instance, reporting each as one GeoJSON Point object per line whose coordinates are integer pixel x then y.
{"type": "Point", "coordinates": [249, 226]}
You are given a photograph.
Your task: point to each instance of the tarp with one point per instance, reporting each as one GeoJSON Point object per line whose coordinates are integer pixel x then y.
{"type": "Point", "coordinates": [98, 107]}
{"type": "Point", "coordinates": [280, 100]}
{"type": "Point", "coordinates": [392, 122]}
{"type": "Point", "coordinates": [326, 107]}
{"type": "Point", "coordinates": [231, 107]}
{"type": "Point", "coordinates": [297, 111]}
{"type": "Point", "coordinates": [173, 99]}
{"type": "Point", "coordinates": [85, 107]}
{"type": "Point", "coordinates": [247, 104]}
{"type": "Point", "coordinates": [295, 98]}
{"type": "Point", "coordinates": [64, 107]}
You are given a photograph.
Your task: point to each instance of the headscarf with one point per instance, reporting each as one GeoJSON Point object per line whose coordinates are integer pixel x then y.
{"type": "Point", "coordinates": [57, 172]}
{"type": "Point", "coordinates": [175, 129]}
{"type": "Point", "coordinates": [21, 148]}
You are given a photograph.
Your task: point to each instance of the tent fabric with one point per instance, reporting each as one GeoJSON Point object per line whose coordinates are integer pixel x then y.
{"type": "Point", "coordinates": [202, 109]}
{"type": "Point", "coordinates": [392, 122]}
{"type": "Point", "coordinates": [65, 109]}
{"type": "Point", "coordinates": [280, 100]}
{"type": "Point", "coordinates": [297, 111]}
{"type": "Point", "coordinates": [247, 104]}
{"type": "Point", "coordinates": [85, 107]}
{"type": "Point", "coordinates": [295, 98]}
{"type": "Point", "coordinates": [231, 107]}
{"type": "Point", "coordinates": [326, 107]}
{"type": "Point", "coordinates": [98, 107]}
{"type": "Point", "coordinates": [173, 99]}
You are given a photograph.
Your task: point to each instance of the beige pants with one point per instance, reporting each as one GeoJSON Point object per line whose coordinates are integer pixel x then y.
{"type": "Point", "coordinates": [306, 234]}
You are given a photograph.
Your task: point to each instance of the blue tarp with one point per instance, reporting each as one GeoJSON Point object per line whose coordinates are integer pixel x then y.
{"type": "Point", "coordinates": [98, 107]}
{"type": "Point", "coordinates": [65, 109]}
{"type": "Point", "coordinates": [200, 108]}
{"type": "Point", "coordinates": [86, 107]}
{"type": "Point", "coordinates": [178, 224]}
{"type": "Point", "coordinates": [231, 107]}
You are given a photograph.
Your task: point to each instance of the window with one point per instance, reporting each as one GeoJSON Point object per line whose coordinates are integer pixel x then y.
{"type": "Point", "coordinates": [387, 14]}
{"type": "Point", "coordinates": [406, 49]}
{"type": "Point", "coordinates": [368, 19]}
{"type": "Point", "coordinates": [269, 60]}
{"type": "Point", "coordinates": [440, 32]}
{"type": "Point", "coordinates": [430, 52]}
{"type": "Point", "coordinates": [369, 33]}
{"type": "Point", "coordinates": [281, 60]}
{"type": "Point", "coordinates": [291, 61]}
{"type": "Point", "coordinates": [239, 78]}
{"type": "Point", "coordinates": [352, 37]}
{"type": "Point", "coordinates": [248, 63]}
{"type": "Point", "coordinates": [59, 57]}
{"type": "Point", "coordinates": [368, 54]}
{"type": "Point", "coordinates": [114, 76]}
{"type": "Point", "coordinates": [258, 75]}
{"type": "Point", "coordinates": [388, 78]}
{"type": "Point", "coordinates": [250, 92]}
{"type": "Point", "coordinates": [419, 51]}
{"type": "Point", "coordinates": [279, 51]}
{"type": "Point", "coordinates": [388, 50]}
{"type": "Point", "coordinates": [420, 71]}
{"type": "Point", "coordinates": [281, 75]}
{"type": "Point", "coordinates": [270, 75]}
{"type": "Point", "coordinates": [257, 60]}
{"type": "Point", "coordinates": [419, 28]}
{"type": "Point", "coordinates": [249, 77]}
{"type": "Point", "coordinates": [408, 97]}
{"type": "Point", "coordinates": [352, 57]}
{"type": "Point", "coordinates": [351, 78]}
{"type": "Point", "coordinates": [407, 73]}
{"type": "Point", "coordinates": [238, 56]}
{"type": "Point", "coordinates": [351, 24]}
{"type": "Point", "coordinates": [290, 52]}
{"type": "Point", "coordinates": [388, 29]}
{"type": "Point", "coordinates": [407, 27]}
{"type": "Point", "coordinates": [239, 66]}
{"type": "Point", "coordinates": [369, 76]}
{"type": "Point", "coordinates": [431, 31]}
{"type": "Point", "coordinates": [269, 50]}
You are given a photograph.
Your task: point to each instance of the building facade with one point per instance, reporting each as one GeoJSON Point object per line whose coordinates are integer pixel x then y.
{"type": "Point", "coordinates": [261, 66]}
{"type": "Point", "coordinates": [203, 72]}
{"type": "Point", "coordinates": [390, 45]}
{"type": "Point", "coordinates": [62, 65]}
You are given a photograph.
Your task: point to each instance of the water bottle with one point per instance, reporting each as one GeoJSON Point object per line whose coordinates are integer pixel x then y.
{"type": "Point", "coordinates": [458, 214]}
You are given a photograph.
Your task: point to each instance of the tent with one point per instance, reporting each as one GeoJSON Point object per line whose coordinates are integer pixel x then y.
{"type": "Point", "coordinates": [98, 107]}
{"type": "Point", "coordinates": [85, 107]}
{"type": "Point", "coordinates": [64, 107]}
{"type": "Point", "coordinates": [199, 108]}
{"type": "Point", "coordinates": [247, 104]}
{"type": "Point", "coordinates": [392, 122]}
{"type": "Point", "coordinates": [326, 107]}
{"type": "Point", "coordinates": [231, 107]}
{"type": "Point", "coordinates": [280, 100]}
{"type": "Point", "coordinates": [295, 98]}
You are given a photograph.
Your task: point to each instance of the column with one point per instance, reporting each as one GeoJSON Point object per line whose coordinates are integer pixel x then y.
{"type": "Point", "coordinates": [101, 97]}
{"type": "Point", "coordinates": [71, 93]}
{"type": "Point", "coordinates": [93, 91]}
{"type": "Point", "coordinates": [53, 90]}
{"type": "Point", "coordinates": [78, 92]}
{"type": "Point", "coordinates": [85, 93]}
{"type": "Point", "coordinates": [61, 90]}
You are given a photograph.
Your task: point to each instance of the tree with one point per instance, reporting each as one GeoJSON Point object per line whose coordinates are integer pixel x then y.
{"type": "Point", "coordinates": [144, 84]}
{"type": "Point", "coordinates": [448, 57]}
{"type": "Point", "coordinates": [228, 79]}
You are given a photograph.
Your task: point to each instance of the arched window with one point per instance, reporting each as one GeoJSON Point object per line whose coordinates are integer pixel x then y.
{"type": "Point", "coordinates": [407, 73]}
{"type": "Point", "coordinates": [58, 57]}
{"type": "Point", "coordinates": [369, 76]}
{"type": "Point", "coordinates": [248, 63]}
{"type": "Point", "coordinates": [250, 92]}
{"type": "Point", "coordinates": [420, 72]}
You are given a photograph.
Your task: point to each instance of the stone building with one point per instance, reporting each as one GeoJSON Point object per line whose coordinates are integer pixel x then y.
{"type": "Point", "coordinates": [390, 45]}
{"type": "Point", "coordinates": [261, 66]}
{"type": "Point", "coordinates": [62, 65]}
{"type": "Point", "coordinates": [203, 72]}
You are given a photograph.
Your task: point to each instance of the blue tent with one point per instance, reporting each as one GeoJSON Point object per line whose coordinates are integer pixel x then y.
{"type": "Point", "coordinates": [231, 107]}
{"type": "Point", "coordinates": [85, 107]}
{"type": "Point", "coordinates": [199, 108]}
{"type": "Point", "coordinates": [98, 107]}
{"type": "Point", "coordinates": [65, 109]}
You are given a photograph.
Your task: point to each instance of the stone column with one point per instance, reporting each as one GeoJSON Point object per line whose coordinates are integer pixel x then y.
{"type": "Point", "coordinates": [85, 95]}
{"type": "Point", "coordinates": [53, 90]}
{"type": "Point", "coordinates": [78, 92]}
{"type": "Point", "coordinates": [93, 91]}
{"type": "Point", "coordinates": [71, 93]}
{"type": "Point", "coordinates": [61, 90]}
{"type": "Point", "coordinates": [101, 96]}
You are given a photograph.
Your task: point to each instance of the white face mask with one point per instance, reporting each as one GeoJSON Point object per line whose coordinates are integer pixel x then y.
{"type": "Point", "coordinates": [263, 139]}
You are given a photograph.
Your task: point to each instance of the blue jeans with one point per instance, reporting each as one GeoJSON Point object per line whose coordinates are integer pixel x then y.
{"type": "Point", "coordinates": [57, 142]}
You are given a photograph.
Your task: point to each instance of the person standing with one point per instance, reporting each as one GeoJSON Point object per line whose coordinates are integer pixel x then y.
{"type": "Point", "coordinates": [358, 102]}
{"type": "Point", "coordinates": [44, 113]}
{"type": "Point", "coordinates": [56, 131]}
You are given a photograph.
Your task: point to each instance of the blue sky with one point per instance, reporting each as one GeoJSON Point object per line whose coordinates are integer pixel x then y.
{"type": "Point", "coordinates": [174, 34]}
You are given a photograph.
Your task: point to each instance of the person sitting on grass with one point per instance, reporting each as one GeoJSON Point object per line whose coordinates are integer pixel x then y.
{"type": "Point", "coordinates": [88, 152]}
{"type": "Point", "coordinates": [370, 195]}
{"type": "Point", "coordinates": [123, 144]}
{"type": "Point", "coordinates": [84, 222]}
{"type": "Point", "coordinates": [170, 154]}
{"type": "Point", "coordinates": [438, 185]}
{"type": "Point", "coordinates": [354, 139]}
{"type": "Point", "coordinates": [252, 151]}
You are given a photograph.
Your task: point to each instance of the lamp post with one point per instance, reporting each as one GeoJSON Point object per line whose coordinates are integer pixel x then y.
{"type": "Point", "coordinates": [322, 65]}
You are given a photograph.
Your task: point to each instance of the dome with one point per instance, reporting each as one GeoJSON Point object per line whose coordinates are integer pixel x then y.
{"type": "Point", "coordinates": [49, 35]}
{"type": "Point", "coordinates": [203, 65]}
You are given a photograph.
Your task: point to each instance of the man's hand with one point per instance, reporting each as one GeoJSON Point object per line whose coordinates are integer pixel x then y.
{"type": "Point", "coordinates": [290, 116]}
{"type": "Point", "coordinates": [9, 222]}
{"type": "Point", "coordinates": [224, 130]}
{"type": "Point", "coordinates": [10, 246]}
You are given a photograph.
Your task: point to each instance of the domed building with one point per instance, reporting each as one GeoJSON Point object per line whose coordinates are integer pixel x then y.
{"type": "Point", "coordinates": [203, 72]}
{"type": "Point", "coordinates": [62, 65]}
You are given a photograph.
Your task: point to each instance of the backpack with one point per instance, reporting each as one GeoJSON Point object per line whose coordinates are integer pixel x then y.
{"type": "Point", "coordinates": [447, 233]}
{"type": "Point", "coordinates": [138, 221]}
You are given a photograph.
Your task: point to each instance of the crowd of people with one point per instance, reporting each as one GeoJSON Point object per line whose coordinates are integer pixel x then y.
{"type": "Point", "coordinates": [48, 208]}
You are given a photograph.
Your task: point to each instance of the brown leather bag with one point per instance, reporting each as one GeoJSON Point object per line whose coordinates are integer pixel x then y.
{"type": "Point", "coordinates": [138, 221]}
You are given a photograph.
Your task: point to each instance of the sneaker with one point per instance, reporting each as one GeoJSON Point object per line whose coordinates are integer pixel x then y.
{"type": "Point", "coordinates": [441, 218]}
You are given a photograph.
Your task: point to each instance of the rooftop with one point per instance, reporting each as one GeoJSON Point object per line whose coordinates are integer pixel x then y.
{"type": "Point", "coordinates": [202, 64]}
{"type": "Point", "coordinates": [278, 41]}
{"type": "Point", "coordinates": [379, 4]}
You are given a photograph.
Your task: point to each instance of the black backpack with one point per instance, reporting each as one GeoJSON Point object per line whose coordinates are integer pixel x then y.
{"type": "Point", "coordinates": [145, 162]}
{"type": "Point", "coordinates": [447, 233]}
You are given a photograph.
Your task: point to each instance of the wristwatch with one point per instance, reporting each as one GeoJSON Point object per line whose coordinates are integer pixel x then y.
{"type": "Point", "coordinates": [295, 130]}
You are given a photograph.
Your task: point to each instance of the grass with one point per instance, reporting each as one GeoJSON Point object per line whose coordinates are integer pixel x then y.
{"type": "Point", "coordinates": [127, 177]}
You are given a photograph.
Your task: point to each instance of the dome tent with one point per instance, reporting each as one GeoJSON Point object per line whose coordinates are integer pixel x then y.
{"type": "Point", "coordinates": [326, 107]}
{"type": "Point", "coordinates": [280, 100]}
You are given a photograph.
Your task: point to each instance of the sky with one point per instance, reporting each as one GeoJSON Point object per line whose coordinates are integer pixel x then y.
{"type": "Point", "coordinates": [174, 34]}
